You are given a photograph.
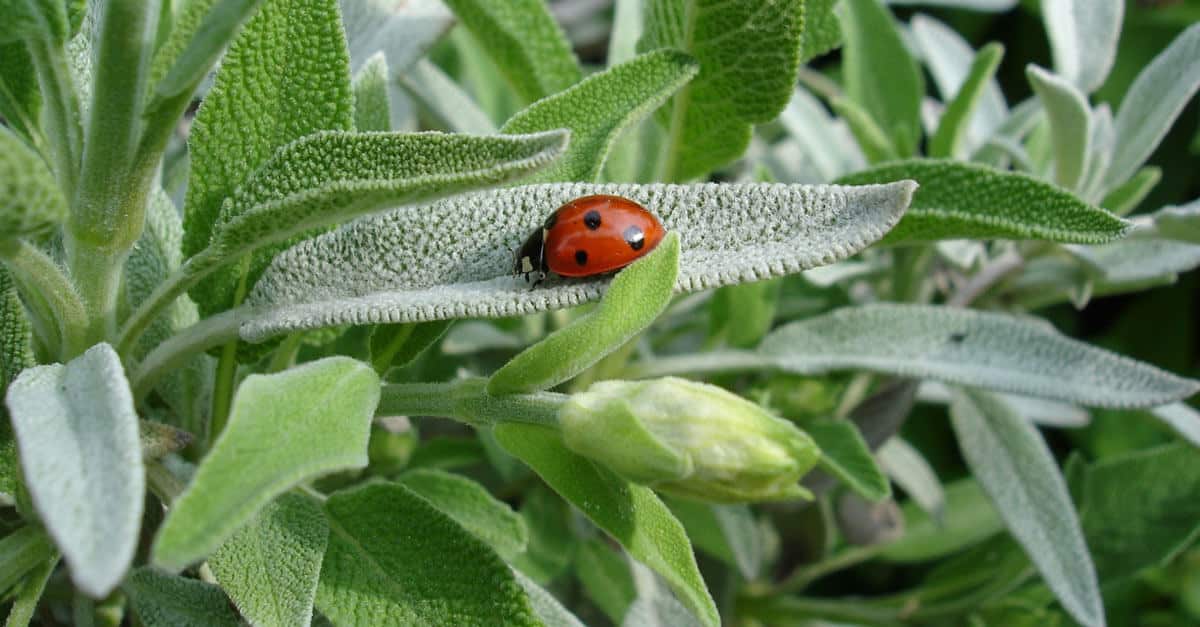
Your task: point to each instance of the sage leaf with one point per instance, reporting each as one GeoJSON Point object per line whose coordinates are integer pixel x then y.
{"type": "Point", "coordinates": [950, 140]}
{"type": "Point", "coordinates": [1182, 419]}
{"type": "Point", "coordinates": [30, 200]}
{"type": "Point", "coordinates": [630, 513]}
{"type": "Point", "coordinates": [20, 98]}
{"type": "Point", "coordinates": [740, 315]}
{"type": "Point", "coordinates": [821, 30]}
{"type": "Point", "coordinates": [269, 568]}
{"type": "Point", "coordinates": [1125, 198]}
{"type": "Point", "coordinates": [372, 110]}
{"type": "Point", "coordinates": [845, 455]}
{"type": "Point", "coordinates": [524, 41]}
{"type": "Point", "coordinates": [1136, 262]}
{"type": "Point", "coordinates": [28, 593]}
{"type": "Point", "coordinates": [1153, 102]}
{"type": "Point", "coordinates": [1016, 469]}
{"type": "Point", "coordinates": [1040, 411]}
{"type": "Point", "coordinates": [34, 19]}
{"type": "Point", "coordinates": [749, 54]}
{"type": "Point", "coordinates": [162, 600]}
{"type": "Point", "coordinates": [968, 518]}
{"type": "Point", "coordinates": [881, 75]}
{"type": "Point", "coordinates": [949, 58]}
{"type": "Point", "coordinates": [22, 551]}
{"type": "Point", "coordinates": [905, 465]}
{"type": "Point", "coordinates": [472, 507]}
{"type": "Point", "coordinates": [633, 300]}
{"type": "Point", "coordinates": [1180, 223]}
{"type": "Point", "coordinates": [444, 99]}
{"type": "Point", "coordinates": [396, 345]}
{"type": "Point", "coordinates": [825, 140]}
{"type": "Point", "coordinates": [327, 406]}
{"type": "Point", "coordinates": [16, 336]}
{"type": "Point", "coordinates": [729, 533]}
{"type": "Point", "coordinates": [988, 350]}
{"type": "Point", "coordinates": [1070, 124]}
{"type": "Point", "coordinates": [197, 37]}
{"type": "Point", "coordinates": [395, 558]}
{"type": "Point", "coordinates": [403, 32]}
{"type": "Point", "coordinates": [960, 200]}
{"type": "Point", "coordinates": [599, 108]}
{"type": "Point", "coordinates": [989, 6]}
{"type": "Point", "coordinates": [1083, 38]}
{"type": "Point", "coordinates": [369, 272]}
{"type": "Point", "coordinates": [605, 576]}
{"type": "Point", "coordinates": [77, 433]}
{"type": "Point", "coordinates": [549, 611]}
{"type": "Point", "coordinates": [875, 144]}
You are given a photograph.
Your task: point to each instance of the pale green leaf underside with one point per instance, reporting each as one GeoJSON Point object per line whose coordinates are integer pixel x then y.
{"type": "Point", "coordinates": [453, 258]}
{"type": "Point", "coordinates": [1083, 38]}
{"type": "Point", "coordinates": [30, 201]}
{"type": "Point", "coordinates": [77, 433]}
{"type": "Point", "coordinates": [1016, 469]}
{"type": "Point", "coordinates": [959, 200]}
{"type": "Point", "coordinates": [1070, 124]}
{"type": "Point", "coordinates": [162, 600]}
{"type": "Point", "coordinates": [326, 407]}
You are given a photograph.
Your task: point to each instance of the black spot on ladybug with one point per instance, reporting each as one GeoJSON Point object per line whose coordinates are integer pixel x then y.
{"type": "Point", "coordinates": [581, 257]}
{"type": "Point", "coordinates": [591, 219]}
{"type": "Point", "coordinates": [957, 338]}
{"type": "Point", "coordinates": [634, 237]}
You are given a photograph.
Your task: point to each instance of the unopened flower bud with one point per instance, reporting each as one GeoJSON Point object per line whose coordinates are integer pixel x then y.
{"type": "Point", "coordinates": [689, 439]}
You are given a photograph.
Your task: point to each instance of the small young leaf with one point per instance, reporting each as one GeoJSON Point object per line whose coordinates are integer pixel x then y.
{"type": "Point", "coordinates": [967, 519]}
{"type": "Point", "coordinates": [633, 300]}
{"type": "Point", "coordinates": [949, 58]}
{"type": "Point", "coordinates": [30, 200]}
{"type": "Point", "coordinates": [396, 345]}
{"type": "Point", "coordinates": [524, 41]}
{"type": "Point", "coordinates": [630, 513]}
{"type": "Point", "coordinates": [604, 573]}
{"type": "Point", "coordinates": [845, 455]}
{"type": "Point", "coordinates": [904, 464]}
{"type": "Point", "coordinates": [961, 200]}
{"type": "Point", "coordinates": [1016, 469]}
{"type": "Point", "coordinates": [372, 111]}
{"type": "Point", "coordinates": [598, 109]}
{"type": "Point", "coordinates": [368, 271]}
{"type": "Point", "coordinates": [270, 567]}
{"type": "Point", "coordinates": [988, 350]}
{"type": "Point", "coordinates": [1083, 38]}
{"type": "Point", "coordinates": [77, 432]}
{"type": "Point", "coordinates": [444, 99]}
{"type": "Point", "coordinates": [29, 593]}
{"type": "Point", "coordinates": [394, 558]}
{"type": "Point", "coordinates": [881, 75]}
{"type": "Point", "coordinates": [821, 30]}
{"type": "Point", "coordinates": [327, 406]}
{"type": "Point", "coordinates": [199, 34]}
{"type": "Point", "coordinates": [472, 507]}
{"type": "Point", "coordinates": [1070, 124]}
{"type": "Point", "coordinates": [951, 136]}
{"type": "Point", "coordinates": [162, 600]}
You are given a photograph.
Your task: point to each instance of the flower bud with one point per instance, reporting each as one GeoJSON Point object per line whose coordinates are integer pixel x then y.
{"type": "Point", "coordinates": [689, 439]}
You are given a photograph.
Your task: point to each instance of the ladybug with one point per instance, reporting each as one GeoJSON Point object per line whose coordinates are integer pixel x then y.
{"type": "Point", "coordinates": [589, 236]}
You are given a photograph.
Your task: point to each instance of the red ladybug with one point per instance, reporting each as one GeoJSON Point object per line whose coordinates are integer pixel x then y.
{"type": "Point", "coordinates": [589, 236]}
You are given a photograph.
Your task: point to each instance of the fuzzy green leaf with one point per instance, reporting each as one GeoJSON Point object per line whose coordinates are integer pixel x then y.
{"type": "Point", "coordinates": [961, 200]}
{"type": "Point", "coordinates": [949, 57]}
{"type": "Point", "coordinates": [1137, 262]}
{"type": "Point", "coordinates": [397, 345]}
{"type": "Point", "coordinates": [1181, 223]}
{"type": "Point", "coordinates": [525, 43]}
{"type": "Point", "coordinates": [262, 100]}
{"type": "Point", "coordinates": [327, 406]}
{"type": "Point", "coordinates": [598, 109]}
{"type": "Point", "coordinates": [604, 574]}
{"type": "Point", "coordinates": [1083, 38]}
{"type": "Point", "coordinates": [16, 337]}
{"type": "Point", "coordinates": [881, 75]}
{"type": "Point", "coordinates": [162, 600]}
{"type": "Point", "coordinates": [34, 19]}
{"type": "Point", "coordinates": [1070, 124]}
{"type": "Point", "coordinates": [372, 110]}
{"type": "Point", "coordinates": [632, 301]}
{"type": "Point", "coordinates": [30, 201]}
{"type": "Point", "coordinates": [445, 100]}
{"type": "Point", "coordinates": [968, 518]}
{"type": "Point", "coordinates": [393, 559]}
{"type": "Point", "coordinates": [402, 31]}
{"type": "Point", "coordinates": [740, 315]}
{"type": "Point", "coordinates": [749, 54]}
{"type": "Point", "coordinates": [198, 36]}
{"type": "Point", "coordinates": [951, 136]}
{"type": "Point", "coordinates": [630, 513]}
{"type": "Point", "coordinates": [369, 271]}
{"type": "Point", "coordinates": [988, 350]}
{"type": "Point", "coordinates": [77, 433]}
{"type": "Point", "coordinates": [20, 98]}
{"type": "Point", "coordinates": [905, 465]}
{"type": "Point", "coordinates": [269, 568]}
{"type": "Point", "coordinates": [845, 455]}
{"type": "Point", "coordinates": [1017, 470]}
{"type": "Point", "coordinates": [547, 608]}
{"type": "Point", "coordinates": [821, 30]}
{"type": "Point", "coordinates": [471, 506]}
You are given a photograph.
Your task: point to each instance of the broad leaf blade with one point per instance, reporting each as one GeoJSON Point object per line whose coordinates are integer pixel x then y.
{"type": "Point", "coordinates": [32, 202]}
{"type": "Point", "coordinates": [472, 507]}
{"type": "Point", "coordinates": [394, 558]}
{"type": "Point", "coordinates": [1016, 469]}
{"type": "Point", "coordinates": [988, 350]}
{"type": "Point", "coordinates": [779, 229]}
{"type": "Point", "coordinates": [631, 514]}
{"type": "Point", "coordinates": [1070, 125]}
{"type": "Point", "coordinates": [960, 200]}
{"type": "Point", "coordinates": [327, 406]}
{"type": "Point", "coordinates": [77, 432]}
{"type": "Point", "coordinates": [1083, 38]}
{"type": "Point", "coordinates": [162, 600]}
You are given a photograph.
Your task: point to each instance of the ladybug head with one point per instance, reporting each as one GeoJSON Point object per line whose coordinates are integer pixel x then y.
{"type": "Point", "coordinates": [531, 258]}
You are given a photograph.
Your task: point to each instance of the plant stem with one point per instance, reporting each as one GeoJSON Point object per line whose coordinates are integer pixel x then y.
{"type": "Point", "coordinates": [35, 273]}
{"type": "Point", "coordinates": [192, 271]}
{"type": "Point", "coordinates": [985, 279]}
{"type": "Point", "coordinates": [61, 103]}
{"type": "Point", "coordinates": [285, 354]}
{"type": "Point", "coordinates": [804, 575]}
{"type": "Point", "coordinates": [707, 363]}
{"type": "Point", "coordinates": [467, 401]}
{"type": "Point", "coordinates": [223, 385]}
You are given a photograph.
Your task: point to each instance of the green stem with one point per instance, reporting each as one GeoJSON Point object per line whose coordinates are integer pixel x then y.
{"type": "Point", "coordinates": [284, 356]}
{"type": "Point", "coordinates": [467, 401]}
{"type": "Point", "coordinates": [42, 281]}
{"type": "Point", "coordinates": [223, 386]}
{"type": "Point", "coordinates": [804, 575]}
{"type": "Point", "coordinates": [909, 283]}
{"type": "Point", "coordinates": [63, 130]}
{"type": "Point", "coordinates": [669, 159]}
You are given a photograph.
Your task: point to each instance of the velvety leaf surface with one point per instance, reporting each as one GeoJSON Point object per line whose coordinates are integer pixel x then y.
{"type": "Point", "coordinates": [30, 201]}
{"type": "Point", "coordinates": [1015, 467]}
{"type": "Point", "coordinates": [598, 109]}
{"type": "Point", "coordinates": [961, 200]}
{"type": "Point", "coordinates": [881, 75]}
{"type": "Point", "coordinates": [1083, 38]}
{"type": "Point", "coordinates": [372, 111]}
{"type": "Point", "coordinates": [269, 567]}
{"type": "Point", "coordinates": [547, 608]}
{"type": "Point", "coordinates": [370, 271]}
{"type": "Point", "coordinates": [472, 507]}
{"type": "Point", "coordinates": [327, 406]}
{"type": "Point", "coordinates": [162, 600]}
{"type": "Point", "coordinates": [821, 30]}
{"type": "Point", "coordinates": [989, 350]}
{"type": "Point", "coordinates": [905, 465]}
{"type": "Point", "coordinates": [393, 559]}
{"type": "Point", "coordinates": [749, 53]}
{"type": "Point", "coordinates": [199, 34]}
{"type": "Point", "coordinates": [845, 455]}
{"type": "Point", "coordinates": [1070, 124]}
{"type": "Point", "coordinates": [630, 513]}
{"type": "Point", "coordinates": [77, 433]}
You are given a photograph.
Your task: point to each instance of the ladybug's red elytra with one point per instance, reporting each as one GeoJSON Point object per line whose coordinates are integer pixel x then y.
{"type": "Point", "coordinates": [589, 236]}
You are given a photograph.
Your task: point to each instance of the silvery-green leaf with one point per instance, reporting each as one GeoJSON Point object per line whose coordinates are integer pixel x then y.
{"type": "Point", "coordinates": [77, 433]}
{"type": "Point", "coordinates": [442, 97]}
{"type": "Point", "coordinates": [1152, 103]}
{"type": "Point", "coordinates": [547, 608]}
{"type": "Point", "coordinates": [950, 139]}
{"type": "Point", "coordinates": [989, 350]}
{"type": "Point", "coordinates": [905, 465]}
{"type": "Point", "coordinates": [599, 108]}
{"type": "Point", "coordinates": [162, 600]}
{"type": "Point", "coordinates": [402, 31]}
{"type": "Point", "coordinates": [1126, 197]}
{"type": "Point", "coordinates": [1005, 143]}
{"type": "Point", "coordinates": [1180, 223]}
{"type": "Point", "coordinates": [327, 406]}
{"type": "Point", "coordinates": [31, 202]}
{"type": "Point", "coordinates": [824, 139]}
{"type": "Point", "coordinates": [1101, 147]}
{"type": "Point", "coordinates": [963, 254]}
{"type": "Point", "coordinates": [1015, 467]}
{"type": "Point", "coordinates": [1070, 124]}
{"type": "Point", "coordinates": [369, 272]}
{"type": "Point", "coordinates": [1182, 419]}
{"type": "Point", "coordinates": [1083, 38]}
{"type": "Point", "coordinates": [947, 55]}
{"type": "Point", "coordinates": [604, 574]}
{"type": "Point", "coordinates": [1039, 410]}
{"type": "Point", "coordinates": [1137, 261]}
{"type": "Point", "coordinates": [372, 111]}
